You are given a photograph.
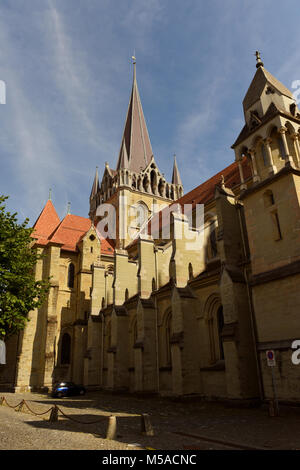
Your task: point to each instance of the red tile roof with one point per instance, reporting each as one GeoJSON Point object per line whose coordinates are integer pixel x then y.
{"type": "Point", "coordinates": [46, 222]}
{"type": "Point", "coordinates": [204, 193]}
{"type": "Point", "coordinates": [68, 232]}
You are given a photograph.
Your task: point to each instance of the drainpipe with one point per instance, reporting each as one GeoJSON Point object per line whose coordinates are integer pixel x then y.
{"type": "Point", "coordinates": [252, 312]}
{"type": "Point", "coordinates": [156, 321]}
{"type": "Point", "coordinates": [102, 348]}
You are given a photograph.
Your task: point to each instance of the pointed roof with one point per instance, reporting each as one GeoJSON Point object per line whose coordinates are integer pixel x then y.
{"type": "Point", "coordinates": [46, 222]}
{"type": "Point", "coordinates": [261, 77]}
{"type": "Point", "coordinates": [95, 186]}
{"type": "Point", "coordinates": [136, 150]}
{"type": "Point", "coordinates": [176, 175]}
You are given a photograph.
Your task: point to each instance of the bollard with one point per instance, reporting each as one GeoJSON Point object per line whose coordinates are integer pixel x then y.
{"type": "Point", "coordinates": [19, 408]}
{"type": "Point", "coordinates": [146, 427]}
{"type": "Point", "coordinates": [273, 408]}
{"type": "Point", "coordinates": [111, 432]}
{"type": "Point", "coordinates": [54, 414]}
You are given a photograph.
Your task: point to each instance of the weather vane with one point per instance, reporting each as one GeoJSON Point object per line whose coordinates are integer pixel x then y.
{"type": "Point", "coordinates": [133, 57]}
{"type": "Point", "coordinates": [259, 62]}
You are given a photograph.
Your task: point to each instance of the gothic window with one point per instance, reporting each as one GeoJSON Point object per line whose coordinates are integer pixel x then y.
{"type": "Point", "coordinates": [220, 321]}
{"type": "Point", "coordinates": [126, 294]}
{"type": "Point", "coordinates": [276, 226]}
{"type": "Point", "coordinates": [215, 321]}
{"type": "Point", "coordinates": [168, 332]}
{"type": "Point", "coordinates": [269, 202]}
{"type": "Point", "coordinates": [213, 241]}
{"type": "Point", "coordinates": [153, 181]}
{"type": "Point", "coordinates": [264, 154]}
{"type": "Point", "coordinates": [269, 198]}
{"type": "Point", "coordinates": [71, 275]}
{"type": "Point", "coordinates": [65, 357]}
{"type": "Point", "coordinates": [191, 274]}
{"type": "Point", "coordinates": [281, 147]}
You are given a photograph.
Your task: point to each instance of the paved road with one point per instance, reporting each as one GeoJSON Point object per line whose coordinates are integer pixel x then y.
{"type": "Point", "coordinates": [177, 425]}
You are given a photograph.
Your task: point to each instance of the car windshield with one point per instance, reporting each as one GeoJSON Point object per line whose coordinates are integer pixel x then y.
{"type": "Point", "coordinates": [66, 384]}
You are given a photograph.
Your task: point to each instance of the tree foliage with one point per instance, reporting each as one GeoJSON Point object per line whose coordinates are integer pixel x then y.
{"type": "Point", "coordinates": [20, 292]}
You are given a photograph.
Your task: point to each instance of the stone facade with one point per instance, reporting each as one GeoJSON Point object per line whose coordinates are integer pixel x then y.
{"type": "Point", "coordinates": [152, 314]}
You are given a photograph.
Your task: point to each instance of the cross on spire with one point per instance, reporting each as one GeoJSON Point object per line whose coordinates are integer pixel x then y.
{"type": "Point", "coordinates": [259, 62]}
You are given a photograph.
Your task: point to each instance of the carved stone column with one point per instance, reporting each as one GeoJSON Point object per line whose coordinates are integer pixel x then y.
{"type": "Point", "coordinates": [295, 138]}
{"type": "Point", "coordinates": [256, 177]}
{"type": "Point", "coordinates": [272, 167]}
{"type": "Point", "coordinates": [243, 185]}
{"type": "Point", "coordinates": [288, 158]}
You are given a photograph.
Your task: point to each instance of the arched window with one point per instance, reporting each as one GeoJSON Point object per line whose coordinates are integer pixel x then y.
{"type": "Point", "coordinates": [264, 154]}
{"type": "Point", "coordinates": [168, 333]}
{"type": "Point", "coordinates": [220, 321]}
{"type": "Point", "coordinates": [71, 275]}
{"type": "Point", "coordinates": [65, 357]}
{"type": "Point", "coordinates": [281, 147]}
{"type": "Point", "coordinates": [269, 198]}
{"type": "Point", "coordinates": [213, 241]}
{"type": "Point", "coordinates": [126, 294]}
{"type": "Point", "coordinates": [191, 274]}
{"type": "Point", "coordinates": [215, 323]}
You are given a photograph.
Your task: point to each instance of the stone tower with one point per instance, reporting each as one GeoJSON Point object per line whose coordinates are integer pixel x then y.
{"type": "Point", "coordinates": [136, 186]}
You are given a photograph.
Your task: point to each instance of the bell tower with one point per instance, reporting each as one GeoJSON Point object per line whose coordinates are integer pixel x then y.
{"type": "Point", "coordinates": [137, 181]}
{"type": "Point", "coordinates": [270, 136]}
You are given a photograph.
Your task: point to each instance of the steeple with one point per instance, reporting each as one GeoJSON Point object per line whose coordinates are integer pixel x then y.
{"type": "Point", "coordinates": [136, 151]}
{"type": "Point", "coordinates": [95, 186]}
{"type": "Point", "coordinates": [176, 176]}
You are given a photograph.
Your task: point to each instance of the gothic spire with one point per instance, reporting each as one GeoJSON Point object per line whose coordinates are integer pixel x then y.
{"type": "Point", "coordinates": [95, 186]}
{"type": "Point", "coordinates": [176, 176]}
{"type": "Point", "coordinates": [135, 145]}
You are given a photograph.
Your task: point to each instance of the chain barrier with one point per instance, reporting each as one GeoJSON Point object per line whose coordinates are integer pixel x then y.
{"type": "Point", "coordinates": [146, 427]}
{"type": "Point", "coordinates": [54, 412]}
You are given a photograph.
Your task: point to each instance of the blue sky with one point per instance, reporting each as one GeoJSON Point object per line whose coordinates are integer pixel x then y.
{"type": "Point", "coordinates": [68, 73]}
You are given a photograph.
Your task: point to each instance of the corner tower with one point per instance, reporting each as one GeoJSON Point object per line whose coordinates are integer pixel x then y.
{"type": "Point", "coordinates": [270, 136]}
{"type": "Point", "coordinates": [137, 178]}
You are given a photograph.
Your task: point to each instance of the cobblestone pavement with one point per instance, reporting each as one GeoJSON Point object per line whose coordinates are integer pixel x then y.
{"type": "Point", "coordinates": [82, 424]}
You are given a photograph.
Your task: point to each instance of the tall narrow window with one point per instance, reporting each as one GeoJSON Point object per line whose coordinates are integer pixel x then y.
{"type": "Point", "coordinates": [220, 320]}
{"type": "Point", "coordinates": [71, 274]}
{"type": "Point", "coordinates": [213, 241]}
{"type": "Point", "coordinates": [264, 154]}
{"type": "Point", "coordinates": [191, 274]}
{"type": "Point", "coordinates": [281, 147]}
{"type": "Point", "coordinates": [65, 357]}
{"type": "Point", "coordinates": [168, 331]}
{"type": "Point", "coordinates": [276, 224]}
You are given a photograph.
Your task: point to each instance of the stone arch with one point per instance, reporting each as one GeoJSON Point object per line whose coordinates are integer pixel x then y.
{"type": "Point", "coordinates": [126, 294]}
{"type": "Point", "coordinates": [214, 320]}
{"type": "Point", "coordinates": [161, 187]}
{"type": "Point", "coordinates": [153, 179]}
{"type": "Point", "coordinates": [142, 213]}
{"type": "Point", "coordinates": [166, 338]}
{"type": "Point", "coordinates": [146, 183]}
{"type": "Point", "coordinates": [134, 182]}
{"type": "Point", "coordinates": [71, 275]}
{"type": "Point", "coordinates": [191, 272]}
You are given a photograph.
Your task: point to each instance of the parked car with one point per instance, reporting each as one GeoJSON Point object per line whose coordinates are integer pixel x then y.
{"type": "Point", "coordinates": [66, 389]}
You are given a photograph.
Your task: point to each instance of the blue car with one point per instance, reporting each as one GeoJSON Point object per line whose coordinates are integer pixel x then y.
{"type": "Point", "coordinates": [67, 389]}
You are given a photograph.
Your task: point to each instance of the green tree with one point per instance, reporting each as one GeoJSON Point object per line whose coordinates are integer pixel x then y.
{"type": "Point", "coordinates": [20, 292]}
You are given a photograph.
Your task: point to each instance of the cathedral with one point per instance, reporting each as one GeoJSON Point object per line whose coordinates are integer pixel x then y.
{"type": "Point", "coordinates": [134, 308]}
